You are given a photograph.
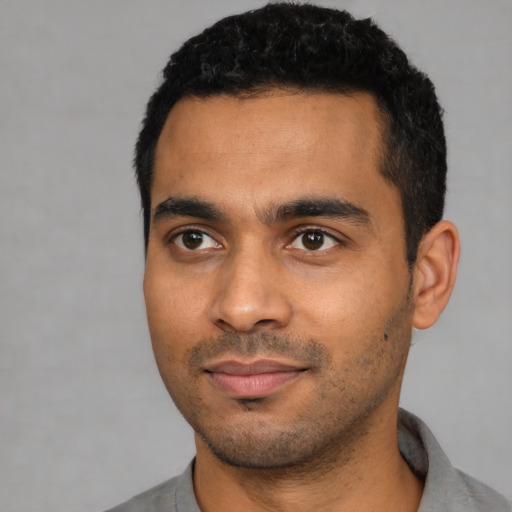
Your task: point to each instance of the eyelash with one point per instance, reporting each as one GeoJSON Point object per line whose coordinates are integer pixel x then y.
{"type": "Point", "coordinates": [303, 230]}
{"type": "Point", "coordinates": [190, 229]}
{"type": "Point", "coordinates": [296, 234]}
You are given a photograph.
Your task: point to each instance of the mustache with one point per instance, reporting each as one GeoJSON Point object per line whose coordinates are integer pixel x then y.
{"type": "Point", "coordinates": [260, 343]}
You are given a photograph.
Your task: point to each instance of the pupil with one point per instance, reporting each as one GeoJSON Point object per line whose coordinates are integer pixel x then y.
{"type": "Point", "coordinates": [192, 240]}
{"type": "Point", "coordinates": [313, 240]}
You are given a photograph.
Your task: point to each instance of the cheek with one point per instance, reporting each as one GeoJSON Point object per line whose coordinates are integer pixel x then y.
{"type": "Point", "coordinates": [175, 312]}
{"type": "Point", "coordinates": [344, 301]}
{"type": "Point", "coordinates": [170, 320]}
{"type": "Point", "coordinates": [350, 311]}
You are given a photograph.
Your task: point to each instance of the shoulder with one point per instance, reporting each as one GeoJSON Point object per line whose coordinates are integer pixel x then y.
{"type": "Point", "coordinates": [176, 494]}
{"type": "Point", "coordinates": [446, 487]}
{"type": "Point", "coordinates": [480, 496]}
{"type": "Point", "coordinates": [160, 497]}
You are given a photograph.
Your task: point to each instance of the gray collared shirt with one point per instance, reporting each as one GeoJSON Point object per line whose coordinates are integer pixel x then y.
{"type": "Point", "coordinates": [446, 489]}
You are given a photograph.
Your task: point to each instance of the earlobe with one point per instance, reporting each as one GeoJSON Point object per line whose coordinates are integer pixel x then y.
{"type": "Point", "coordinates": [434, 273]}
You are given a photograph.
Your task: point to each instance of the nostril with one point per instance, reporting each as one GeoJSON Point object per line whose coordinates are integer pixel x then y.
{"type": "Point", "coordinates": [222, 324]}
{"type": "Point", "coordinates": [264, 321]}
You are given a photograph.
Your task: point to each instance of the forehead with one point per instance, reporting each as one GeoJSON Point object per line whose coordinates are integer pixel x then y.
{"type": "Point", "coordinates": [279, 144]}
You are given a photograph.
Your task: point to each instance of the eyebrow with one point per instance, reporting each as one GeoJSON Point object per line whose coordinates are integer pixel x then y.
{"type": "Point", "coordinates": [298, 208]}
{"type": "Point", "coordinates": [329, 207]}
{"type": "Point", "coordinates": [187, 207]}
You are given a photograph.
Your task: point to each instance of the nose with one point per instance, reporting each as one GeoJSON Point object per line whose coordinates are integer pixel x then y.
{"type": "Point", "coordinates": [250, 296]}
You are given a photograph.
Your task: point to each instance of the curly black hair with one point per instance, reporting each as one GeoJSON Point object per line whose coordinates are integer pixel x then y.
{"type": "Point", "coordinates": [310, 48]}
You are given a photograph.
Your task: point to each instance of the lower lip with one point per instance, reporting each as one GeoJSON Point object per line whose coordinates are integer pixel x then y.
{"type": "Point", "coordinates": [256, 385]}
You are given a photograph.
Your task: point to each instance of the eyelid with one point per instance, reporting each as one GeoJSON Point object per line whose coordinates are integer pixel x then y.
{"type": "Point", "coordinates": [337, 237]}
{"type": "Point", "coordinates": [301, 230]}
{"type": "Point", "coordinates": [181, 230]}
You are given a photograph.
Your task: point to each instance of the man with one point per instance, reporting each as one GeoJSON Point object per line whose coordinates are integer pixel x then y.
{"type": "Point", "coordinates": [292, 170]}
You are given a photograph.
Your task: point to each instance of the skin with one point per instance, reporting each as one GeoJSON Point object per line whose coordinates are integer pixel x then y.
{"type": "Point", "coordinates": [238, 276]}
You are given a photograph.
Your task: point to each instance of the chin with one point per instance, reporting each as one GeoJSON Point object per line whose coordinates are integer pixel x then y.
{"type": "Point", "coordinates": [268, 447]}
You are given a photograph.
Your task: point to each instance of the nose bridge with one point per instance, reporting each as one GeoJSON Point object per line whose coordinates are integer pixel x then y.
{"type": "Point", "coordinates": [249, 295]}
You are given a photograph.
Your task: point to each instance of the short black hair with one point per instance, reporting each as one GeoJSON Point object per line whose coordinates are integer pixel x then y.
{"type": "Point", "coordinates": [315, 49]}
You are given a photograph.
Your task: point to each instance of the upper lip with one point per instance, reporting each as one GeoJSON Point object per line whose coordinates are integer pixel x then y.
{"type": "Point", "coordinates": [235, 367]}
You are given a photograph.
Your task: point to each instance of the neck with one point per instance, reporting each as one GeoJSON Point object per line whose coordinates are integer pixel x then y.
{"type": "Point", "coordinates": [376, 479]}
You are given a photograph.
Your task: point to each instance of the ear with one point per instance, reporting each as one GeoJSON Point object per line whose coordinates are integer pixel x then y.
{"type": "Point", "coordinates": [434, 273]}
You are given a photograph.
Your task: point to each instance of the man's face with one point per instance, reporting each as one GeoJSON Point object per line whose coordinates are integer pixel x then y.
{"type": "Point", "coordinates": [276, 284]}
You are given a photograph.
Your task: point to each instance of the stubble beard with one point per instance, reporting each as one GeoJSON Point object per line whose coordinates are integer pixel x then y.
{"type": "Point", "coordinates": [325, 431]}
{"type": "Point", "coordinates": [255, 442]}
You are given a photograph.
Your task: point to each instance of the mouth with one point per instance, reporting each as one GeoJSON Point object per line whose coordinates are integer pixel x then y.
{"type": "Point", "coordinates": [252, 380]}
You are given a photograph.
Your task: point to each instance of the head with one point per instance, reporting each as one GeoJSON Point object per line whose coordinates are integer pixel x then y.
{"type": "Point", "coordinates": [308, 48]}
{"type": "Point", "coordinates": [277, 163]}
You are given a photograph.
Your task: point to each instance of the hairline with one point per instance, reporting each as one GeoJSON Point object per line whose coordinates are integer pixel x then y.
{"type": "Point", "coordinates": [383, 117]}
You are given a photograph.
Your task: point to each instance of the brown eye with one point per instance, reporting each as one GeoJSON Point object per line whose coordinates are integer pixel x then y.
{"type": "Point", "coordinates": [195, 239]}
{"type": "Point", "coordinates": [192, 240]}
{"type": "Point", "coordinates": [313, 241]}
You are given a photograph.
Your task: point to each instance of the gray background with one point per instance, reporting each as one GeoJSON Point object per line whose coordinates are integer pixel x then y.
{"type": "Point", "coordinates": [85, 421]}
